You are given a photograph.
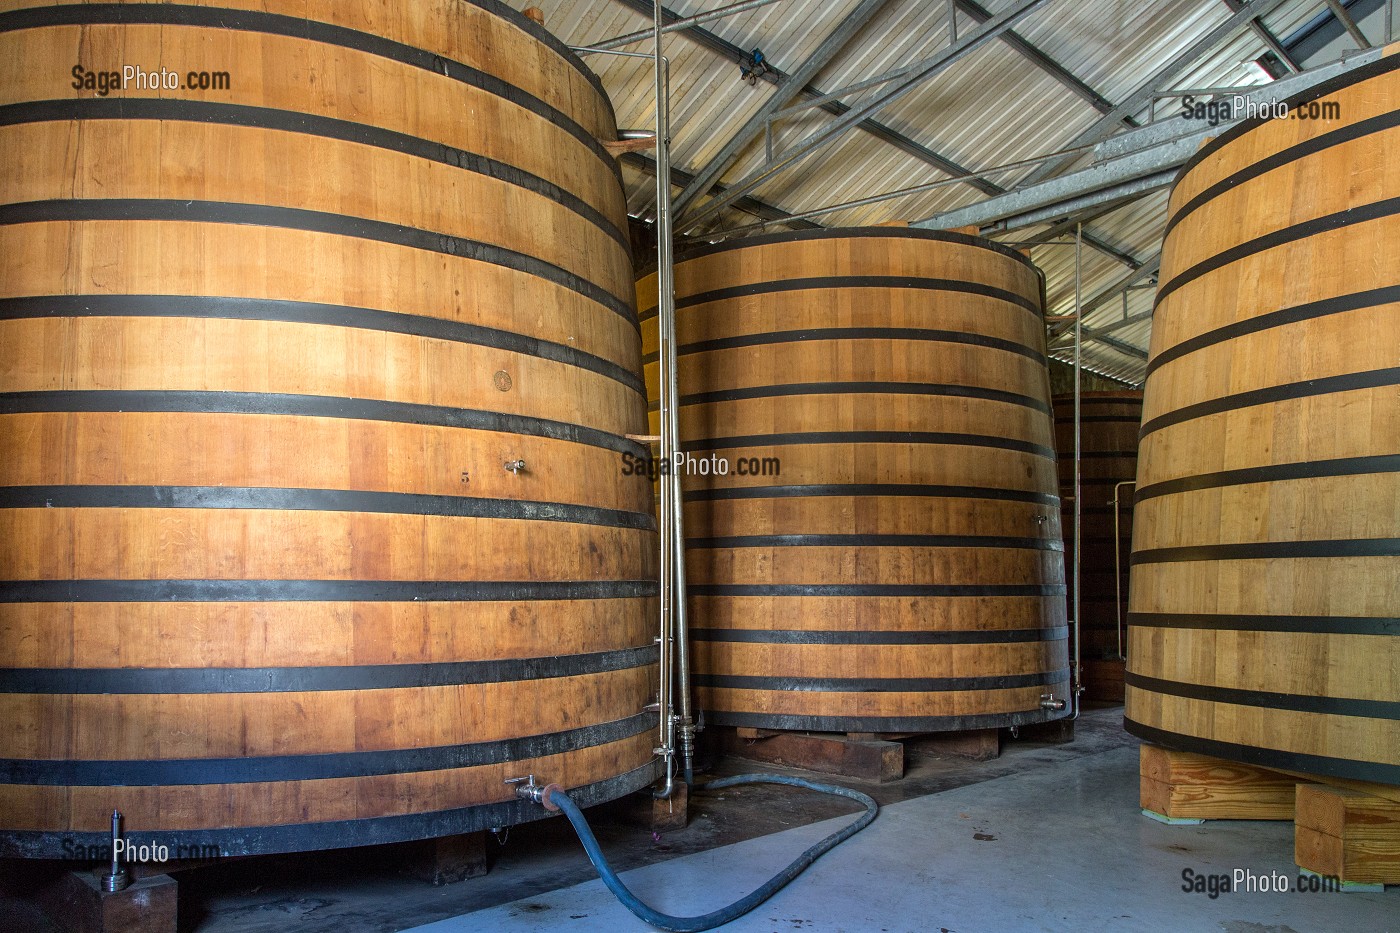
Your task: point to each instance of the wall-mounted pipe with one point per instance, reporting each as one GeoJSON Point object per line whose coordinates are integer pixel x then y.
{"type": "Point", "coordinates": [1118, 569]}
{"type": "Point", "coordinates": [673, 539]}
{"type": "Point", "coordinates": [666, 322]}
{"type": "Point", "coordinates": [1076, 683]}
{"type": "Point", "coordinates": [673, 637]}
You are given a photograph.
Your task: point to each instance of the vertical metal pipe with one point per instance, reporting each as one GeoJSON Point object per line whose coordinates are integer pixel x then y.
{"type": "Point", "coordinates": [1118, 570]}
{"type": "Point", "coordinates": [671, 428]}
{"type": "Point", "coordinates": [665, 316]}
{"type": "Point", "coordinates": [673, 637]}
{"type": "Point", "coordinates": [1076, 671]}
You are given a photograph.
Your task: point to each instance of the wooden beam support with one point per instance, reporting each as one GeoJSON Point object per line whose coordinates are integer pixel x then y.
{"type": "Point", "coordinates": [1370, 788]}
{"type": "Point", "coordinates": [824, 752]}
{"type": "Point", "coordinates": [977, 744]}
{"type": "Point", "coordinates": [449, 859]}
{"type": "Point", "coordinates": [1058, 731]}
{"type": "Point", "coordinates": [618, 147]}
{"type": "Point", "coordinates": [882, 736]}
{"type": "Point", "coordinates": [77, 904]}
{"type": "Point", "coordinates": [749, 732]}
{"type": "Point", "coordinates": [1184, 785]}
{"type": "Point", "coordinates": [1347, 834]}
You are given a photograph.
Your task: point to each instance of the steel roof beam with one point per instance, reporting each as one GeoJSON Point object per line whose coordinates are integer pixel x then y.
{"type": "Point", "coordinates": [902, 80]}
{"type": "Point", "coordinates": [1150, 267]}
{"type": "Point", "coordinates": [1129, 321]}
{"type": "Point", "coordinates": [874, 127]}
{"type": "Point", "coordinates": [1044, 62]}
{"type": "Point", "coordinates": [1087, 188]}
{"type": "Point", "coordinates": [1118, 192]}
{"type": "Point", "coordinates": [1136, 161]}
{"type": "Point", "coordinates": [1142, 96]}
{"type": "Point", "coordinates": [1345, 19]}
{"type": "Point", "coordinates": [1120, 346]}
{"type": "Point", "coordinates": [880, 131]}
{"type": "Point", "coordinates": [760, 209]}
{"type": "Point", "coordinates": [1272, 41]}
{"type": "Point", "coordinates": [676, 25]}
{"type": "Point", "coordinates": [1066, 225]}
{"type": "Point", "coordinates": [789, 87]}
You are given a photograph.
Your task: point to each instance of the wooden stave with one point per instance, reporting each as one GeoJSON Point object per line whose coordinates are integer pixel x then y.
{"type": "Point", "coordinates": [601, 762]}
{"type": "Point", "coordinates": [1340, 727]}
{"type": "Point", "coordinates": [786, 308]}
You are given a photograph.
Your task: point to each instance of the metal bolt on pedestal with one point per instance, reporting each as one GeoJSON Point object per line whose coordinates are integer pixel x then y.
{"type": "Point", "coordinates": [116, 878]}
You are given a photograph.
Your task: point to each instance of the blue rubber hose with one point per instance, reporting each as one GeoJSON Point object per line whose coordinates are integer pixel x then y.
{"type": "Point", "coordinates": [772, 886]}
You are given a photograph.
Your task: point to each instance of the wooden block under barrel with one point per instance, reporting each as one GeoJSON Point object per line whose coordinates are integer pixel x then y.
{"type": "Point", "coordinates": [1184, 785]}
{"type": "Point", "coordinates": [76, 901]}
{"type": "Point", "coordinates": [1347, 834]}
{"type": "Point", "coordinates": [824, 752]}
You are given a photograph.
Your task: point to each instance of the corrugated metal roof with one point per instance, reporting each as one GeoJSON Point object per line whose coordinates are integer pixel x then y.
{"type": "Point", "coordinates": [989, 108]}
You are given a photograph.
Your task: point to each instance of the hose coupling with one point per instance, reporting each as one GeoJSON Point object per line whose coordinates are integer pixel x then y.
{"type": "Point", "coordinates": [1049, 703]}
{"type": "Point", "coordinates": [527, 789]}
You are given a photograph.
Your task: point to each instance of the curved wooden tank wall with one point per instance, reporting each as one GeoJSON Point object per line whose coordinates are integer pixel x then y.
{"type": "Point", "coordinates": [1266, 551]}
{"type": "Point", "coordinates": [266, 350]}
{"type": "Point", "coordinates": [904, 571]}
{"type": "Point", "coordinates": [1108, 453]}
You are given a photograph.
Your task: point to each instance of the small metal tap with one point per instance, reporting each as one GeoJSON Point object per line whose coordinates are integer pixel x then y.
{"type": "Point", "coordinates": [526, 788]}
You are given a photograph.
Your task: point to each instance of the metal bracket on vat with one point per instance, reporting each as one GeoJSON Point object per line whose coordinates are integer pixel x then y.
{"type": "Point", "coordinates": [515, 466]}
{"type": "Point", "coordinates": [1049, 703]}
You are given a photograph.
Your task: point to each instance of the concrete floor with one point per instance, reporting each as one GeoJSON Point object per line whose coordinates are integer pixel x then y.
{"type": "Point", "coordinates": [1046, 837]}
{"type": "Point", "coordinates": [365, 889]}
{"type": "Point", "coordinates": [1056, 848]}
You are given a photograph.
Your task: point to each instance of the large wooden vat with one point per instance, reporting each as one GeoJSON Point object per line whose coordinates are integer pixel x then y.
{"type": "Point", "coordinates": [1266, 550]}
{"type": "Point", "coordinates": [901, 568]}
{"type": "Point", "coordinates": [1108, 457]}
{"type": "Point", "coordinates": [265, 355]}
